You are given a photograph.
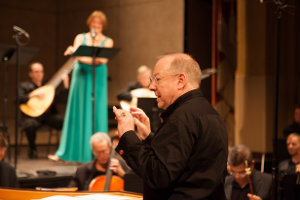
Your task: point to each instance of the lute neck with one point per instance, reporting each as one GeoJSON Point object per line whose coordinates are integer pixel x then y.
{"type": "Point", "coordinates": [64, 70]}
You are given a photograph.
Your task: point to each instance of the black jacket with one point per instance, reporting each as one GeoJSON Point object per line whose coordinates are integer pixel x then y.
{"type": "Point", "coordinates": [8, 177]}
{"type": "Point", "coordinates": [186, 158]}
{"type": "Point", "coordinates": [262, 185]}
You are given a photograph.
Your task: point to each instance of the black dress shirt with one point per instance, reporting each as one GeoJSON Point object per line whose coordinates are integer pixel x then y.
{"type": "Point", "coordinates": [186, 157]}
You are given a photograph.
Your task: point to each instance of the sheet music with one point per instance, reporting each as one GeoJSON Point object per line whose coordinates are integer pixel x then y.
{"type": "Point", "coordinates": [86, 197]}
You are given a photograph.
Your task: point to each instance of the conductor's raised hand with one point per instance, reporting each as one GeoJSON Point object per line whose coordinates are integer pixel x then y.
{"type": "Point", "coordinates": [125, 121]}
{"type": "Point", "coordinates": [141, 121]}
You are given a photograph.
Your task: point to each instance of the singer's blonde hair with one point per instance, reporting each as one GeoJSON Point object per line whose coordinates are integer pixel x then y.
{"type": "Point", "coordinates": [99, 14]}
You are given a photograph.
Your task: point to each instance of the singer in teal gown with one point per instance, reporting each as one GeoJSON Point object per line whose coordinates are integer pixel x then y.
{"type": "Point", "coordinates": [77, 128]}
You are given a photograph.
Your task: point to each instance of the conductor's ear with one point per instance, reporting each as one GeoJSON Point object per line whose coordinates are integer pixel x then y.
{"type": "Point", "coordinates": [182, 81]}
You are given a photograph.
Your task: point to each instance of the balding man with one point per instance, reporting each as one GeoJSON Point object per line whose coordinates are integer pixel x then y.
{"type": "Point", "coordinates": [51, 117]}
{"type": "Point", "coordinates": [186, 157]}
{"type": "Point", "coordinates": [143, 81]}
{"type": "Point", "coordinates": [291, 165]}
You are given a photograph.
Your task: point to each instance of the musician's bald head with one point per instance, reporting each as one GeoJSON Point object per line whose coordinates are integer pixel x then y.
{"type": "Point", "coordinates": [293, 144]}
{"type": "Point", "coordinates": [143, 75]}
{"type": "Point", "coordinates": [36, 73]}
{"type": "Point", "coordinates": [33, 65]}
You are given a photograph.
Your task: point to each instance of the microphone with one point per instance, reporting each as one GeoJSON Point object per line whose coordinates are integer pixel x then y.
{"type": "Point", "coordinates": [93, 34]}
{"type": "Point", "coordinates": [20, 31]}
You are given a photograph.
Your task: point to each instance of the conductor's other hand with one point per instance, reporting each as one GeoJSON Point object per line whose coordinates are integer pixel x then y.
{"type": "Point", "coordinates": [142, 122]}
{"type": "Point", "coordinates": [125, 121]}
{"type": "Point", "coordinates": [69, 51]}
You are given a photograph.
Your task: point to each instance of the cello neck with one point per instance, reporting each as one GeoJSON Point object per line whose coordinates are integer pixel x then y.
{"type": "Point", "coordinates": [108, 173]}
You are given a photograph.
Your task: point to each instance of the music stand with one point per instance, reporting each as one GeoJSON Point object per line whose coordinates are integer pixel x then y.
{"type": "Point", "coordinates": [95, 52]}
{"type": "Point", "coordinates": [149, 106]}
{"type": "Point", "coordinates": [9, 55]}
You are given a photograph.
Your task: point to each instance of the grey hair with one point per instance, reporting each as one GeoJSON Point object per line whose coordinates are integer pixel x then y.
{"type": "Point", "coordinates": [239, 154]}
{"type": "Point", "coordinates": [99, 137]}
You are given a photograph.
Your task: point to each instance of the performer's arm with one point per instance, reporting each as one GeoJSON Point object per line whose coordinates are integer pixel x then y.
{"type": "Point", "coordinates": [23, 94]}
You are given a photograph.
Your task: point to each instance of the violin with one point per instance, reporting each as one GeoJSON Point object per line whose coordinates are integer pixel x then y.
{"type": "Point", "coordinates": [249, 170]}
{"type": "Point", "coordinates": [108, 182]}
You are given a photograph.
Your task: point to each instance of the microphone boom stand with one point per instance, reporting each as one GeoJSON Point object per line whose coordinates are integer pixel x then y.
{"type": "Point", "coordinates": [19, 43]}
{"type": "Point", "coordinates": [93, 85]}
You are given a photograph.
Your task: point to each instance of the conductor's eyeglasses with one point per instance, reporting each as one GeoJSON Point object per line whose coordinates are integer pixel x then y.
{"type": "Point", "coordinates": [155, 80]}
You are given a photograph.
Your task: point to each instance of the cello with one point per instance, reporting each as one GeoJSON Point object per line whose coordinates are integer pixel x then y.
{"type": "Point", "coordinates": [108, 182]}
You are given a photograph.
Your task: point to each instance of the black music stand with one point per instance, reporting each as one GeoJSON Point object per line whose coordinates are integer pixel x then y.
{"type": "Point", "coordinates": [8, 56]}
{"type": "Point", "coordinates": [149, 106]}
{"type": "Point", "coordinates": [95, 52]}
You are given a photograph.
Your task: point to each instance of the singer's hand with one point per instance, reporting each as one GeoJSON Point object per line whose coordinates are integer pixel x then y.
{"type": "Point", "coordinates": [69, 51]}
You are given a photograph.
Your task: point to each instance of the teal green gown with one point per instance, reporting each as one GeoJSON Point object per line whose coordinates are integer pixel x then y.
{"type": "Point", "coordinates": [77, 128]}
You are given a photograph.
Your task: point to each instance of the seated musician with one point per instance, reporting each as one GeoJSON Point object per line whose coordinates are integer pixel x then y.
{"type": "Point", "coordinates": [51, 117]}
{"type": "Point", "coordinates": [101, 148]}
{"type": "Point", "coordinates": [291, 165]}
{"type": "Point", "coordinates": [242, 185]}
{"type": "Point", "coordinates": [8, 177]}
{"type": "Point", "coordinates": [143, 81]}
{"type": "Point", "coordinates": [289, 169]}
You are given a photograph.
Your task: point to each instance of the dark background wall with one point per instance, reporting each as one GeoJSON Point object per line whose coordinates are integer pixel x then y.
{"type": "Point", "coordinates": [144, 29]}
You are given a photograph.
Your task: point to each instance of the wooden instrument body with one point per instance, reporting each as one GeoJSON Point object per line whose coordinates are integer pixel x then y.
{"type": "Point", "coordinates": [108, 182]}
{"type": "Point", "coordinates": [98, 183]}
{"type": "Point", "coordinates": [36, 106]}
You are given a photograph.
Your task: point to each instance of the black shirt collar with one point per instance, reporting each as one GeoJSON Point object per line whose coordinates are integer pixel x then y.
{"type": "Point", "coordinates": [180, 100]}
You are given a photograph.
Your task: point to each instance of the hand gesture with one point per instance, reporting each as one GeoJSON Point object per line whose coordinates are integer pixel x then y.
{"type": "Point", "coordinates": [69, 51]}
{"type": "Point", "coordinates": [141, 121]}
{"type": "Point", "coordinates": [125, 121]}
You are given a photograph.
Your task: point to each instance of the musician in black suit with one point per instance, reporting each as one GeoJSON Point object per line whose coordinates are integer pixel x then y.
{"type": "Point", "coordinates": [8, 177]}
{"type": "Point", "coordinates": [101, 148]}
{"type": "Point", "coordinates": [238, 184]}
{"type": "Point", "coordinates": [51, 117]}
